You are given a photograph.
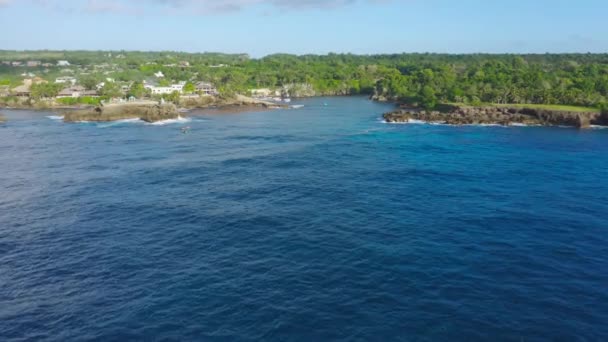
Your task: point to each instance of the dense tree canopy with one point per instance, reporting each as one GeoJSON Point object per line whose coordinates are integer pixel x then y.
{"type": "Point", "coordinates": [45, 90]}
{"type": "Point", "coordinates": [423, 79]}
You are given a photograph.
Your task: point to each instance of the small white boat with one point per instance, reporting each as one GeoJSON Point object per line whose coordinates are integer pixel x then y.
{"type": "Point", "coordinates": [297, 106]}
{"type": "Point", "coordinates": [287, 100]}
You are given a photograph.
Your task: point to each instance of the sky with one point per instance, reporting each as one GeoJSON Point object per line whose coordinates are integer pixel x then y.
{"type": "Point", "coordinates": [262, 27]}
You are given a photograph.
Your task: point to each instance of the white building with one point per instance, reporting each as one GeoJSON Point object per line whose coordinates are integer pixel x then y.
{"type": "Point", "coordinates": [159, 74]}
{"type": "Point", "coordinates": [178, 87]}
{"type": "Point", "coordinates": [66, 79]}
{"type": "Point", "coordinates": [63, 63]}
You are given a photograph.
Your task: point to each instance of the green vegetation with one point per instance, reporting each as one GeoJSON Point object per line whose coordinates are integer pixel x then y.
{"type": "Point", "coordinates": [426, 80]}
{"type": "Point", "coordinates": [110, 90]}
{"type": "Point", "coordinates": [45, 90]}
{"type": "Point", "coordinates": [532, 106]}
{"type": "Point", "coordinates": [137, 90]}
{"type": "Point", "coordinates": [553, 107]}
{"type": "Point", "coordinates": [85, 100]}
{"type": "Point", "coordinates": [189, 88]}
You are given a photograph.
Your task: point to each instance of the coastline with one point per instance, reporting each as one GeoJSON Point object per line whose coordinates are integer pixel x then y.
{"type": "Point", "coordinates": [500, 116]}
{"type": "Point", "coordinates": [152, 111]}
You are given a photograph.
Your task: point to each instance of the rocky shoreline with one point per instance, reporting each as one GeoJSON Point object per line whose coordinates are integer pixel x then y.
{"type": "Point", "coordinates": [152, 111]}
{"type": "Point", "coordinates": [497, 115]}
{"type": "Point", "coordinates": [147, 111]}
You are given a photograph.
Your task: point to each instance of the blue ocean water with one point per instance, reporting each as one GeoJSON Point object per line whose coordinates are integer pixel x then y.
{"type": "Point", "coordinates": [315, 224]}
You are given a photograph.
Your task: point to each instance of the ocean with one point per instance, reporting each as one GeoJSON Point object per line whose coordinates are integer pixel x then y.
{"type": "Point", "coordinates": [316, 224]}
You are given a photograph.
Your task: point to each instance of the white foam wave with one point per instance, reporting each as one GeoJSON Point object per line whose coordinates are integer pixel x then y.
{"type": "Point", "coordinates": [599, 127]}
{"type": "Point", "coordinates": [128, 120]}
{"type": "Point", "coordinates": [443, 123]}
{"type": "Point", "coordinates": [171, 121]}
{"type": "Point", "coordinates": [55, 117]}
{"type": "Point", "coordinates": [119, 122]}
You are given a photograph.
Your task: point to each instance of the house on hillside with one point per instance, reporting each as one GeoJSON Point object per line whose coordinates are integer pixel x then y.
{"type": "Point", "coordinates": [63, 63]}
{"type": "Point", "coordinates": [206, 88]}
{"type": "Point", "coordinates": [66, 79]}
{"type": "Point", "coordinates": [125, 88]}
{"type": "Point", "coordinates": [33, 64]}
{"type": "Point", "coordinates": [39, 80]}
{"type": "Point", "coordinates": [24, 90]}
{"type": "Point", "coordinates": [156, 90]}
{"type": "Point", "coordinates": [76, 92]}
{"type": "Point", "coordinates": [159, 74]}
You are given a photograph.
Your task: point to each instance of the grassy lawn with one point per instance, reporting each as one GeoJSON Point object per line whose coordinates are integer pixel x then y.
{"type": "Point", "coordinates": [537, 106]}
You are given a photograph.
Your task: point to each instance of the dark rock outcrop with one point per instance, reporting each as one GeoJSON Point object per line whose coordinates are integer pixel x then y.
{"type": "Point", "coordinates": [500, 115]}
{"type": "Point", "coordinates": [146, 111]}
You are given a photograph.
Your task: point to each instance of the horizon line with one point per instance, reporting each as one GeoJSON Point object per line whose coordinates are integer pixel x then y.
{"type": "Point", "coordinates": [312, 53]}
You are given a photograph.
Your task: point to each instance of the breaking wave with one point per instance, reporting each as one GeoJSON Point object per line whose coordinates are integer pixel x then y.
{"type": "Point", "coordinates": [171, 121]}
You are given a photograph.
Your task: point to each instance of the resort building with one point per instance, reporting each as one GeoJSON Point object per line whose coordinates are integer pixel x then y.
{"type": "Point", "coordinates": [4, 91]}
{"type": "Point", "coordinates": [24, 89]}
{"type": "Point", "coordinates": [76, 91]}
{"type": "Point", "coordinates": [63, 63]}
{"type": "Point", "coordinates": [155, 90]}
{"type": "Point", "coordinates": [206, 88]}
{"type": "Point", "coordinates": [66, 79]}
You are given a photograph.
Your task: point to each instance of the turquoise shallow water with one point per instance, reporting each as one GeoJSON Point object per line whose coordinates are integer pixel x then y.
{"type": "Point", "coordinates": [321, 223]}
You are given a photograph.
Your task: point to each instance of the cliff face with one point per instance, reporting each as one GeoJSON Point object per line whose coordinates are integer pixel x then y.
{"type": "Point", "coordinates": [501, 115]}
{"type": "Point", "coordinates": [149, 112]}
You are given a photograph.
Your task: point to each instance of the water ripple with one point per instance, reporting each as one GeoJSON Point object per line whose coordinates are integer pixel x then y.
{"type": "Point", "coordinates": [318, 224]}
